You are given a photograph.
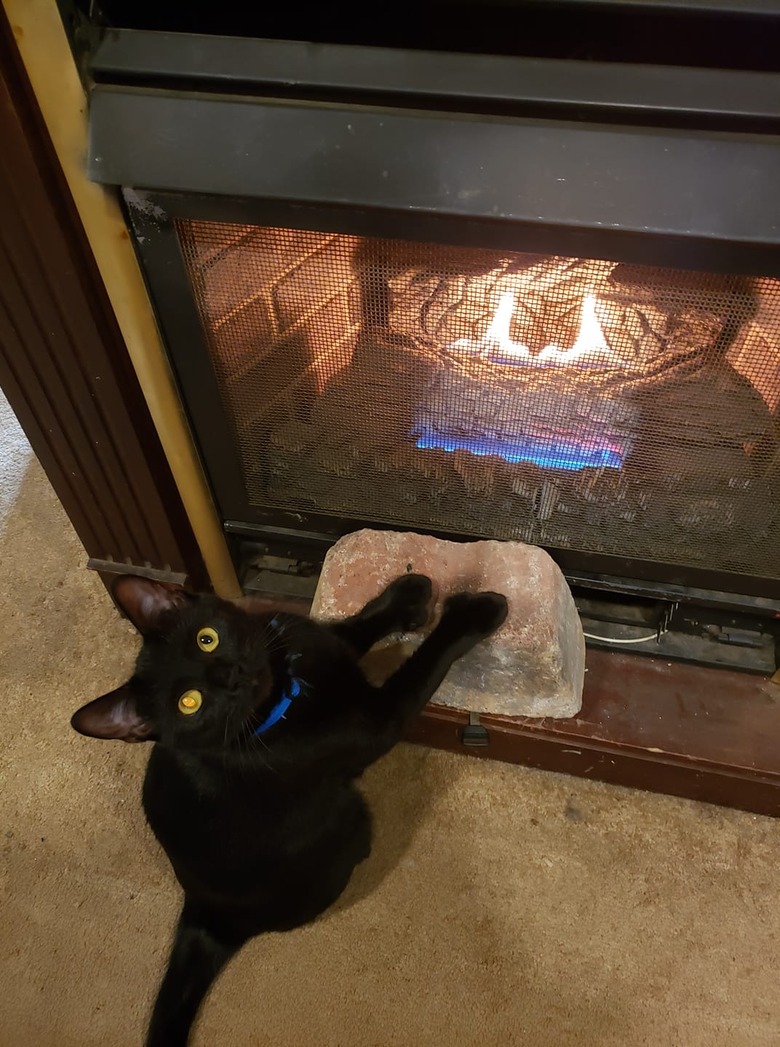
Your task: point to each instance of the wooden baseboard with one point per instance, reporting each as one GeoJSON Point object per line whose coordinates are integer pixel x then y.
{"type": "Point", "coordinates": [701, 733]}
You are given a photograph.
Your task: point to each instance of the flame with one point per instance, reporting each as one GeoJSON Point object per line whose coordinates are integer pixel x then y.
{"type": "Point", "coordinates": [548, 452]}
{"type": "Point", "coordinates": [590, 348]}
{"type": "Point", "coordinates": [541, 431]}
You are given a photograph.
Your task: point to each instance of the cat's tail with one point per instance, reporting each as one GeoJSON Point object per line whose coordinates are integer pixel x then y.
{"type": "Point", "coordinates": [197, 956]}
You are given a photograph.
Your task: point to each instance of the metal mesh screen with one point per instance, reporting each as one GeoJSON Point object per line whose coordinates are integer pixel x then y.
{"type": "Point", "coordinates": [566, 402]}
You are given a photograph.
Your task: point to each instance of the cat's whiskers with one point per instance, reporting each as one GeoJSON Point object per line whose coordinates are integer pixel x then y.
{"type": "Point", "coordinates": [242, 757]}
{"type": "Point", "coordinates": [273, 626]}
{"type": "Point", "coordinates": [272, 648]}
{"type": "Point", "coordinates": [226, 755]}
{"type": "Point", "coordinates": [251, 741]}
{"type": "Point", "coordinates": [241, 761]}
{"type": "Point", "coordinates": [252, 737]}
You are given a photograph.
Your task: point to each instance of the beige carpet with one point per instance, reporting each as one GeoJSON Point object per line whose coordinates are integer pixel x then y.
{"type": "Point", "coordinates": [502, 906]}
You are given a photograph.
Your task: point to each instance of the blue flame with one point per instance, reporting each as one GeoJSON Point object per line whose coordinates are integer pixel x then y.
{"type": "Point", "coordinates": [548, 453]}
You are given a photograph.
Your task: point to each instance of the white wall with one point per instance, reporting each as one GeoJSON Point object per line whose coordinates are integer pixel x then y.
{"type": "Point", "coordinates": [15, 454]}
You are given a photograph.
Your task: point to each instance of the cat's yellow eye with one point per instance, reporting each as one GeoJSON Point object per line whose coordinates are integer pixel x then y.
{"type": "Point", "coordinates": [190, 702]}
{"type": "Point", "coordinates": [208, 639]}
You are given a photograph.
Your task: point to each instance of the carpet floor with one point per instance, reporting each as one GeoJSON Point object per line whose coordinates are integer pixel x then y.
{"type": "Point", "coordinates": [501, 905]}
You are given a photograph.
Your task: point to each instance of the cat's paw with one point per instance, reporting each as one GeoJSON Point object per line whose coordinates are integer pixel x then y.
{"type": "Point", "coordinates": [476, 614]}
{"type": "Point", "coordinates": [411, 594]}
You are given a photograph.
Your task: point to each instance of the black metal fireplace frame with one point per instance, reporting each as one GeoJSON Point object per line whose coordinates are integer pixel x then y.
{"type": "Point", "coordinates": [418, 168]}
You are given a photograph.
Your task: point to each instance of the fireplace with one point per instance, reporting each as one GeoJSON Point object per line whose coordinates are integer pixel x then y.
{"type": "Point", "coordinates": [578, 404]}
{"type": "Point", "coordinates": [518, 296]}
{"type": "Point", "coordinates": [511, 272]}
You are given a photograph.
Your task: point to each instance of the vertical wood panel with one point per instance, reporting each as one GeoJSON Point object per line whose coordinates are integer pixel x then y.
{"type": "Point", "coordinates": [63, 363]}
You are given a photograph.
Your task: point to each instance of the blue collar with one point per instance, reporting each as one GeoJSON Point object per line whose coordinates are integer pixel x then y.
{"type": "Point", "coordinates": [281, 707]}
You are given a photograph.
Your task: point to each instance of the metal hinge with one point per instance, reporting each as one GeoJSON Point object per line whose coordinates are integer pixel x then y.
{"type": "Point", "coordinates": [474, 734]}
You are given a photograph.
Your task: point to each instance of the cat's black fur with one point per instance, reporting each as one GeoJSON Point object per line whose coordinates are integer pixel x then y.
{"type": "Point", "coordinates": [264, 832]}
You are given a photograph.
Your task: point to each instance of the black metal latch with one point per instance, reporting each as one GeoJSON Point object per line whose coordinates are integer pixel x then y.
{"type": "Point", "coordinates": [474, 734]}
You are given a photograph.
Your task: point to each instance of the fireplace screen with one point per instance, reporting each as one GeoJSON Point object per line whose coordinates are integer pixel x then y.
{"type": "Point", "coordinates": [567, 402]}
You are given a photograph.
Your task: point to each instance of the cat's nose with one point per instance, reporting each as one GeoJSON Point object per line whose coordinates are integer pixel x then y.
{"type": "Point", "coordinates": [225, 676]}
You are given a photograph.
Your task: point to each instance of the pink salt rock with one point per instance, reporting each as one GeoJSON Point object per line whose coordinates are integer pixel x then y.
{"type": "Point", "coordinates": [534, 665]}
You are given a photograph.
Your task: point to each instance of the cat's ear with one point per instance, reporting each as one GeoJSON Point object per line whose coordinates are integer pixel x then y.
{"type": "Point", "coordinates": [145, 602]}
{"type": "Point", "coordinates": [114, 715]}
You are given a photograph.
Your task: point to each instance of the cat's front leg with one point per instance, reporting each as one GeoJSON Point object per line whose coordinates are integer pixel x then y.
{"type": "Point", "coordinates": [402, 607]}
{"type": "Point", "coordinates": [466, 619]}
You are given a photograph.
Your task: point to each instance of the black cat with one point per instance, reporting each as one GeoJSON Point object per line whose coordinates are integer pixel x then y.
{"type": "Point", "coordinates": [261, 723]}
